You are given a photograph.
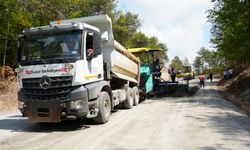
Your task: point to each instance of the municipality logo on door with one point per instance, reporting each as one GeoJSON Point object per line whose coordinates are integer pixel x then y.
{"type": "Point", "coordinates": [45, 82]}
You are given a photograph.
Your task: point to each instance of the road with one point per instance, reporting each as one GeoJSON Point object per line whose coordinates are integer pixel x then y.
{"type": "Point", "coordinates": [204, 121]}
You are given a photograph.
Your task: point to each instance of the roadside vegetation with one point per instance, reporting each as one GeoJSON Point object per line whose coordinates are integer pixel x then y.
{"type": "Point", "coordinates": [229, 35]}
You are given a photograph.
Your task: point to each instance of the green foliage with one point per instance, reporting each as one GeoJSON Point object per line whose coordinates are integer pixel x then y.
{"type": "Point", "coordinates": [13, 19]}
{"type": "Point", "coordinates": [21, 14]}
{"type": "Point", "coordinates": [125, 26]}
{"type": "Point", "coordinates": [208, 60]}
{"type": "Point", "coordinates": [231, 29]}
{"type": "Point", "coordinates": [141, 40]}
{"type": "Point", "coordinates": [163, 54]}
{"type": "Point", "coordinates": [176, 63]}
{"type": "Point", "coordinates": [206, 56]}
{"type": "Point", "coordinates": [198, 64]}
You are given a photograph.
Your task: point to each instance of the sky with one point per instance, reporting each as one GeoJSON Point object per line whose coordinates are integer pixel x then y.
{"type": "Point", "coordinates": [180, 24]}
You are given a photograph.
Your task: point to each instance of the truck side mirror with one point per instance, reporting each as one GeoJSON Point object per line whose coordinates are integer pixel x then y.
{"type": "Point", "coordinates": [19, 49]}
{"type": "Point", "coordinates": [97, 44]}
{"type": "Point", "coordinates": [18, 56]}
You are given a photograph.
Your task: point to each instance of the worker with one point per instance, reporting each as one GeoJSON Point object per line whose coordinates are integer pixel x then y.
{"type": "Point", "coordinates": [173, 74]}
{"type": "Point", "coordinates": [211, 76]}
{"type": "Point", "coordinates": [89, 53]}
{"type": "Point", "coordinates": [202, 80]}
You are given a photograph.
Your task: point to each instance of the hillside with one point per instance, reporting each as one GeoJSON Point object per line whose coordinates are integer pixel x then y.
{"type": "Point", "coordinates": [8, 89]}
{"type": "Point", "coordinates": [237, 90]}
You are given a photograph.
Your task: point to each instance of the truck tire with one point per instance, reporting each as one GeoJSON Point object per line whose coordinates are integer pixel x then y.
{"type": "Point", "coordinates": [104, 108]}
{"type": "Point", "coordinates": [128, 103]}
{"type": "Point", "coordinates": [135, 95]}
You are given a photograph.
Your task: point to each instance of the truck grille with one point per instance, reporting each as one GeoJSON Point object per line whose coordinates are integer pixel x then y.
{"type": "Point", "coordinates": [59, 90]}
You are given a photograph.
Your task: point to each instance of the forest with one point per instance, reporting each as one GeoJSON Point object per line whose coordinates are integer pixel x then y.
{"type": "Point", "coordinates": [17, 15]}
{"type": "Point", "coordinates": [230, 32]}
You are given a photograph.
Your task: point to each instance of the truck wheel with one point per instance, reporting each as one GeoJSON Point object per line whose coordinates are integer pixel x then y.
{"type": "Point", "coordinates": [104, 108]}
{"type": "Point", "coordinates": [135, 95]}
{"type": "Point", "coordinates": [128, 103]}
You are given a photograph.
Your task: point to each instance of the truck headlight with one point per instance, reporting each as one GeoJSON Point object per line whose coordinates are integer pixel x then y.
{"type": "Point", "coordinates": [77, 104]}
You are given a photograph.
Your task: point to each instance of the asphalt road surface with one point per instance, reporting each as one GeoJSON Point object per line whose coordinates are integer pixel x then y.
{"type": "Point", "coordinates": [204, 121]}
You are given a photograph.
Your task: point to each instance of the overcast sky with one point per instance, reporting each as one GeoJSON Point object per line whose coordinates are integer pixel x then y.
{"type": "Point", "coordinates": [180, 24]}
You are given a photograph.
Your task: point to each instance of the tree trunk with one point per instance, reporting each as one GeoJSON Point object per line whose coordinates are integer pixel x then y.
{"type": "Point", "coordinates": [5, 50]}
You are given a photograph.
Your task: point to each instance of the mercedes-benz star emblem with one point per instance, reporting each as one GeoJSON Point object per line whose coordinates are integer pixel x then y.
{"type": "Point", "coordinates": [45, 82]}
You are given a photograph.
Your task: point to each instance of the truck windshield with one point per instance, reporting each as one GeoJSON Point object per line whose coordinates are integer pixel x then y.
{"type": "Point", "coordinates": [64, 46]}
{"type": "Point", "coordinates": [187, 69]}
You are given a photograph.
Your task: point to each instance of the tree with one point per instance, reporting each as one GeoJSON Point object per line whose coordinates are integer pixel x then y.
{"type": "Point", "coordinates": [154, 43]}
{"type": "Point", "coordinates": [176, 63]}
{"type": "Point", "coordinates": [198, 64]}
{"type": "Point", "coordinates": [186, 62]}
{"type": "Point", "coordinates": [13, 20]}
{"type": "Point", "coordinates": [208, 60]}
{"type": "Point", "coordinates": [16, 15]}
{"type": "Point", "coordinates": [163, 55]}
{"type": "Point", "coordinates": [21, 14]}
{"type": "Point", "coordinates": [230, 30]}
{"type": "Point", "coordinates": [138, 40]}
{"type": "Point", "coordinates": [141, 40]}
{"type": "Point", "coordinates": [101, 6]}
{"type": "Point", "coordinates": [125, 27]}
{"type": "Point", "coordinates": [206, 57]}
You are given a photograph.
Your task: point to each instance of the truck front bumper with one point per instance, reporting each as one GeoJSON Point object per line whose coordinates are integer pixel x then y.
{"type": "Point", "coordinates": [53, 111]}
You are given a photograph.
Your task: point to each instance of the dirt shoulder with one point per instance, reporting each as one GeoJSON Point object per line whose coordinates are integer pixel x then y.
{"type": "Point", "coordinates": [8, 95]}
{"type": "Point", "coordinates": [237, 90]}
{"type": "Point", "coordinates": [8, 89]}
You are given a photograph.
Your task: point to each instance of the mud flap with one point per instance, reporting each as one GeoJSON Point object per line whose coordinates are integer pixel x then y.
{"type": "Point", "coordinates": [44, 111]}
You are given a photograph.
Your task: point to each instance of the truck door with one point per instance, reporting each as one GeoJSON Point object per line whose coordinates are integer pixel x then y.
{"type": "Point", "coordinates": [93, 55]}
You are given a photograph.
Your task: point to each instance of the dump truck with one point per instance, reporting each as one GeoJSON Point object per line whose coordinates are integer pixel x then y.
{"type": "Point", "coordinates": [75, 69]}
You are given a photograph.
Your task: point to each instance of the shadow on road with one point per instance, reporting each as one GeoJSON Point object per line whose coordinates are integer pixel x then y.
{"type": "Point", "coordinates": [229, 120]}
{"type": "Point", "coordinates": [207, 97]}
{"type": "Point", "coordinates": [23, 125]}
{"type": "Point", "coordinates": [230, 124]}
{"type": "Point", "coordinates": [181, 91]}
{"type": "Point", "coordinates": [222, 146]}
{"type": "Point", "coordinates": [216, 147]}
{"type": "Point", "coordinates": [222, 116]}
{"type": "Point", "coordinates": [16, 123]}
